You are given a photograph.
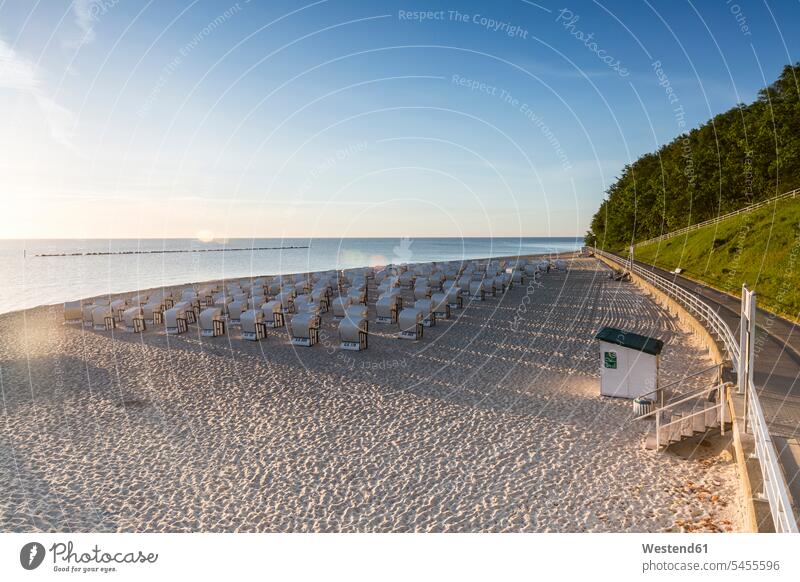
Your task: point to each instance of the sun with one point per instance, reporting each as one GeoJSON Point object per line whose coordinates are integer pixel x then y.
{"type": "Point", "coordinates": [205, 236]}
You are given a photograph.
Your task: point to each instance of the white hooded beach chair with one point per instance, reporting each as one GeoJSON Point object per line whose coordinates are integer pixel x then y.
{"type": "Point", "coordinates": [454, 298]}
{"type": "Point", "coordinates": [422, 288]}
{"type": "Point", "coordinates": [387, 284]}
{"type": "Point", "coordinates": [353, 332]}
{"type": "Point", "coordinates": [517, 277]}
{"type": "Point", "coordinates": [561, 264]}
{"type": "Point", "coordinates": [273, 314]}
{"type": "Point", "coordinates": [256, 302]}
{"type": "Point", "coordinates": [464, 283]}
{"type": "Point", "coordinates": [151, 311]}
{"type": "Point", "coordinates": [477, 290]}
{"type": "Point", "coordinates": [387, 307]}
{"type": "Point", "coordinates": [206, 296]}
{"type": "Point", "coordinates": [358, 295]}
{"type": "Point", "coordinates": [132, 320]}
{"type": "Point", "coordinates": [211, 322]}
{"type": "Point", "coordinates": [441, 307]}
{"type": "Point", "coordinates": [306, 304]}
{"type": "Point", "coordinates": [500, 284]}
{"type": "Point", "coordinates": [190, 313]}
{"type": "Point", "coordinates": [235, 310]}
{"type": "Point", "coordinates": [103, 318]}
{"type": "Point", "coordinates": [340, 305]}
{"type": "Point", "coordinates": [530, 270]}
{"type": "Point", "coordinates": [86, 312]}
{"type": "Point", "coordinates": [118, 306]}
{"type": "Point", "coordinates": [301, 287]}
{"type": "Point", "coordinates": [410, 322]}
{"type": "Point", "coordinates": [304, 329]}
{"type": "Point", "coordinates": [428, 314]}
{"type": "Point", "coordinates": [321, 297]}
{"type": "Point", "coordinates": [253, 326]}
{"type": "Point", "coordinates": [221, 302]}
{"type": "Point", "coordinates": [406, 280]}
{"type": "Point", "coordinates": [356, 311]}
{"type": "Point", "coordinates": [190, 296]}
{"type": "Point", "coordinates": [73, 312]}
{"type": "Point", "coordinates": [323, 287]}
{"type": "Point", "coordinates": [164, 297]}
{"type": "Point", "coordinates": [287, 301]}
{"type": "Point", "coordinates": [175, 320]}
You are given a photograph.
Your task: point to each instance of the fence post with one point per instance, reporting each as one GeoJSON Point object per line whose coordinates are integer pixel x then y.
{"type": "Point", "coordinates": [740, 367]}
{"type": "Point", "coordinates": [751, 344]}
{"type": "Point", "coordinates": [658, 429]}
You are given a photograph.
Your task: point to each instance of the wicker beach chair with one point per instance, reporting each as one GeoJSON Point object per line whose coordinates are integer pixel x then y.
{"type": "Point", "coordinates": [212, 323]}
{"type": "Point", "coordinates": [253, 326]}
{"type": "Point", "coordinates": [410, 322]}
{"type": "Point", "coordinates": [304, 329]}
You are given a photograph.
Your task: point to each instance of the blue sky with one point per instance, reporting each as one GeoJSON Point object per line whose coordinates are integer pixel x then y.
{"type": "Point", "coordinates": [125, 118]}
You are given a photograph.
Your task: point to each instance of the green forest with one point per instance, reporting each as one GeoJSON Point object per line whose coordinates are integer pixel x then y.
{"type": "Point", "coordinates": [744, 155]}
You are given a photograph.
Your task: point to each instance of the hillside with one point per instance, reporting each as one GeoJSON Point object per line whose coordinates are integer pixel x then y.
{"type": "Point", "coordinates": [744, 155]}
{"type": "Point", "coordinates": [761, 248]}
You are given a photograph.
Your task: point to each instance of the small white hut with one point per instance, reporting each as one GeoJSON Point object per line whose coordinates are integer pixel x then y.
{"type": "Point", "coordinates": [628, 363]}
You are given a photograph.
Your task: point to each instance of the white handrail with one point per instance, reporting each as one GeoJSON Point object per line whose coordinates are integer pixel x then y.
{"type": "Point", "coordinates": [715, 220]}
{"type": "Point", "coordinates": [775, 488]}
{"type": "Point", "coordinates": [702, 392]}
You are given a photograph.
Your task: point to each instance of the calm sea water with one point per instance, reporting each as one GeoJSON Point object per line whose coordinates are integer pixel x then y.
{"type": "Point", "coordinates": [28, 280]}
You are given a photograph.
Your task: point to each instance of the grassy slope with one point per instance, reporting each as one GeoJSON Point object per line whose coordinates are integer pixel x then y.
{"type": "Point", "coordinates": [761, 248]}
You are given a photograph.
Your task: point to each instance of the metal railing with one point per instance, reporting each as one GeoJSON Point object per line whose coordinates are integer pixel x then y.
{"type": "Point", "coordinates": [776, 491]}
{"type": "Point", "coordinates": [715, 220]}
{"type": "Point", "coordinates": [720, 389]}
{"type": "Point", "coordinates": [661, 390]}
{"type": "Point", "coordinates": [691, 302]}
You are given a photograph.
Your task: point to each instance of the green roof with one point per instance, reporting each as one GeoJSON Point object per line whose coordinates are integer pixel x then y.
{"type": "Point", "coordinates": [634, 341]}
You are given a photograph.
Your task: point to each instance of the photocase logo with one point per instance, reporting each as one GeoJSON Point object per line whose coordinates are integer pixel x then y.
{"type": "Point", "coordinates": [403, 252]}
{"type": "Point", "coordinates": [31, 555]}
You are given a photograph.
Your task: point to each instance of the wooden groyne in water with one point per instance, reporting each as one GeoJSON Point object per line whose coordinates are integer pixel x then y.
{"type": "Point", "coordinates": [165, 251]}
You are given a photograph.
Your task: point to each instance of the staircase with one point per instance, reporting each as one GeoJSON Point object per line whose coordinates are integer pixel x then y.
{"type": "Point", "coordinates": [691, 415]}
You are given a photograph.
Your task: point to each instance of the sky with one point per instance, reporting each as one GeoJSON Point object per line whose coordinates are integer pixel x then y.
{"type": "Point", "coordinates": [330, 118]}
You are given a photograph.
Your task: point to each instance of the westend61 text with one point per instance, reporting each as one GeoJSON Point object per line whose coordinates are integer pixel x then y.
{"type": "Point", "coordinates": [675, 549]}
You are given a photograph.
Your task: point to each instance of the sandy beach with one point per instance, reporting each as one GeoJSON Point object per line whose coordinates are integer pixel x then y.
{"type": "Point", "coordinates": [493, 422]}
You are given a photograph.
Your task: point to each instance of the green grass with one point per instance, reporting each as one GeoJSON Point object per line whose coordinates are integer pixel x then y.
{"type": "Point", "coordinates": [761, 248]}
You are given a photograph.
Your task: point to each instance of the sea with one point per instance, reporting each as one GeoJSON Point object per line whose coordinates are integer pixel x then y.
{"type": "Point", "coordinates": [45, 272]}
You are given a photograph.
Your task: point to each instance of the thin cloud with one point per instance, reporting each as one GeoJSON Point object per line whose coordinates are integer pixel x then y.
{"type": "Point", "coordinates": [20, 74]}
{"type": "Point", "coordinates": [85, 16]}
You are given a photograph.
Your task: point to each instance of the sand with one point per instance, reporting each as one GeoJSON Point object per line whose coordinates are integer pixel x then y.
{"type": "Point", "coordinates": [493, 422]}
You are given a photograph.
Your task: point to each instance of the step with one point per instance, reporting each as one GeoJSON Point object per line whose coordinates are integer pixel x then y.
{"type": "Point", "coordinates": [711, 415]}
{"type": "Point", "coordinates": [686, 427]}
{"type": "Point", "coordinates": [699, 422]}
{"type": "Point", "coordinates": [650, 436]}
{"type": "Point", "coordinates": [675, 429]}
